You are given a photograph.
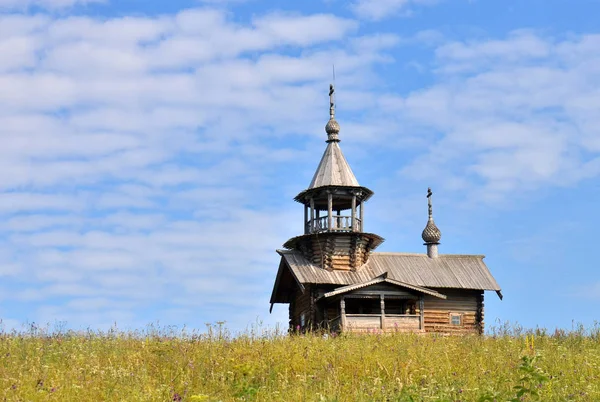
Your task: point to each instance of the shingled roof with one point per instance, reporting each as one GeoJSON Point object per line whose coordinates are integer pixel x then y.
{"type": "Point", "coordinates": [445, 271]}
{"type": "Point", "coordinates": [333, 169]}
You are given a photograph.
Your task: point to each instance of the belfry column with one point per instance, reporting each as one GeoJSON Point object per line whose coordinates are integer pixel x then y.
{"type": "Point", "coordinates": [362, 216]}
{"type": "Point", "coordinates": [305, 219]}
{"type": "Point", "coordinates": [312, 215]}
{"type": "Point", "coordinates": [329, 210]}
{"type": "Point", "coordinates": [353, 218]}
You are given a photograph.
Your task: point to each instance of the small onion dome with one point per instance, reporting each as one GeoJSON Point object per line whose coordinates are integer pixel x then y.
{"type": "Point", "coordinates": [332, 128]}
{"type": "Point", "coordinates": [431, 234]}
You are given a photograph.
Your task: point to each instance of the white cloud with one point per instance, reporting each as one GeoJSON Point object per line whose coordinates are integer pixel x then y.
{"type": "Point", "coordinates": [379, 9]}
{"type": "Point", "coordinates": [222, 2]}
{"type": "Point", "coordinates": [509, 116]}
{"type": "Point", "coordinates": [588, 291]}
{"type": "Point", "coordinates": [149, 161]}
{"type": "Point", "coordinates": [140, 156]}
{"type": "Point", "coordinates": [48, 4]}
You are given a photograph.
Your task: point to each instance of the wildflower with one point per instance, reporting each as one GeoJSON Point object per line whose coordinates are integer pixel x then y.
{"type": "Point", "coordinates": [176, 397]}
{"type": "Point", "coordinates": [14, 386]}
{"type": "Point", "coordinates": [52, 389]}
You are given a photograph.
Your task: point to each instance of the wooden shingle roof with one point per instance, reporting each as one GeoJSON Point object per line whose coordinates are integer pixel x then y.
{"type": "Point", "coordinates": [383, 279]}
{"type": "Point", "coordinates": [333, 169]}
{"type": "Point", "coordinates": [445, 271]}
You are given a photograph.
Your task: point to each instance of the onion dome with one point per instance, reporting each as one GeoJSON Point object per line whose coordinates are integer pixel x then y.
{"type": "Point", "coordinates": [332, 129]}
{"type": "Point", "coordinates": [431, 234]}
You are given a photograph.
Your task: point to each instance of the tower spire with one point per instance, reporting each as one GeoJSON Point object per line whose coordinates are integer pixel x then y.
{"type": "Point", "coordinates": [332, 128]}
{"type": "Point", "coordinates": [431, 234]}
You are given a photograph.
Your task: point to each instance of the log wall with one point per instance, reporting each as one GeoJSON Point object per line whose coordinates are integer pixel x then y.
{"type": "Point", "coordinates": [436, 313]}
{"type": "Point", "coordinates": [466, 303]}
{"type": "Point", "coordinates": [344, 251]}
{"type": "Point", "coordinates": [302, 303]}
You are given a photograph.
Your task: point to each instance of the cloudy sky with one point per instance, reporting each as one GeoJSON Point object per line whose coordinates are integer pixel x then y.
{"type": "Point", "coordinates": [150, 150]}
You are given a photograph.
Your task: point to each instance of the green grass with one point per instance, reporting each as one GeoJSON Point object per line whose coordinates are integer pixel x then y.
{"type": "Point", "coordinates": [261, 366]}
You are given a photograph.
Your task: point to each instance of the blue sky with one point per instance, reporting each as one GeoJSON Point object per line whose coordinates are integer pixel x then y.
{"type": "Point", "coordinates": [151, 150]}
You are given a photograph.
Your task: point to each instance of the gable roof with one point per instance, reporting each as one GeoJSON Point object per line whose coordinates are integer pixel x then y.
{"type": "Point", "coordinates": [333, 169]}
{"type": "Point", "coordinates": [385, 279]}
{"type": "Point", "coordinates": [445, 271]}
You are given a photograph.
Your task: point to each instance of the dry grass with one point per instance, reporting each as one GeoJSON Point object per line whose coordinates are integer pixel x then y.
{"type": "Point", "coordinates": [263, 366]}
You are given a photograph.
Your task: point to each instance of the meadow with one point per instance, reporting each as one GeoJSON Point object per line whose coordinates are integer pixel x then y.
{"type": "Point", "coordinates": [508, 364]}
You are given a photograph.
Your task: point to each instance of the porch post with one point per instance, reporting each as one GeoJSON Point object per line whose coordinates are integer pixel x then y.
{"type": "Point", "coordinates": [312, 215]}
{"type": "Point", "coordinates": [318, 222]}
{"type": "Point", "coordinates": [329, 211]}
{"type": "Point", "coordinates": [382, 302]}
{"type": "Point", "coordinates": [343, 312]}
{"type": "Point", "coordinates": [422, 312]}
{"type": "Point", "coordinates": [353, 218]}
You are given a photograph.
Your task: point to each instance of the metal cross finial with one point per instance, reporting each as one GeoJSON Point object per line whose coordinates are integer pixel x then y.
{"type": "Point", "coordinates": [429, 194]}
{"type": "Point", "coordinates": [331, 102]}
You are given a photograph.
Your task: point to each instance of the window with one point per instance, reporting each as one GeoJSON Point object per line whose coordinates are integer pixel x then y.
{"type": "Point", "coordinates": [302, 320]}
{"type": "Point", "coordinates": [455, 319]}
{"type": "Point", "coordinates": [395, 306]}
{"type": "Point", "coordinates": [400, 306]}
{"type": "Point", "coordinates": [363, 306]}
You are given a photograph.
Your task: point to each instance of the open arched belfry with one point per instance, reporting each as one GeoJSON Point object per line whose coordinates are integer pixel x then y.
{"type": "Point", "coordinates": [332, 278]}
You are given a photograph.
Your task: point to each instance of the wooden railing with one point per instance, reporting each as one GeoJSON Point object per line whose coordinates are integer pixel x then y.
{"type": "Point", "coordinates": [335, 324]}
{"type": "Point", "coordinates": [338, 224]}
{"type": "Point", "coordinates": [389, 322]}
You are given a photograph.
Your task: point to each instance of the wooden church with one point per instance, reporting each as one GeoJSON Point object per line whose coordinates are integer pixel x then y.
{"type": "Point", "coordinates": [331, 277]}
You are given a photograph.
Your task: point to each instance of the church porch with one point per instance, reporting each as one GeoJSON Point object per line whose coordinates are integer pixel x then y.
{"type": "Point", "coordinates": [378, 305]}
{"type": "Point", "coordinates": [356, 314]}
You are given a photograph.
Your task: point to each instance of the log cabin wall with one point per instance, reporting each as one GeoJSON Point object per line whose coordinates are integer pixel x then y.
{"type": "Point", "coordinates": [466, 304]}
{"type": "Point", "coordinates": [344, 251]}
{"type": "Point", "coordinates": [303, 303]}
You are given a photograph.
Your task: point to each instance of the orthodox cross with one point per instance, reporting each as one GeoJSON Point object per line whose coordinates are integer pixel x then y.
{"type": "Point", "coordinates": [331, 102]}
{"type": "Point", "coordinates": [429, 194]}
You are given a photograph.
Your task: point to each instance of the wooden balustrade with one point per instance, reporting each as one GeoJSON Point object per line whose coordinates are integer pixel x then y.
{"type": "Point", "coordinates": [388, 322]}
{"type": "Point", "coordinates": [340, 223]}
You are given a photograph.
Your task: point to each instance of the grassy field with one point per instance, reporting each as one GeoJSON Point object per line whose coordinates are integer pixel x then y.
{"type": "Point", "coordinates": [155, 365]}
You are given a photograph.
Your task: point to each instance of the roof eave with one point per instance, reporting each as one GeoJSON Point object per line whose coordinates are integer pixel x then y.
{"type": "Point", "coordinates": [283, 264]}
{"type": "Point", "coordinates": [302, 195]}
{"type": "Point", "coordinates": [380, 279]}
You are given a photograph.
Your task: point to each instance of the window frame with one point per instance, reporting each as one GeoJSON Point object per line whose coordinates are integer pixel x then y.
{"type": "Point", "coordinates": [451, 318]}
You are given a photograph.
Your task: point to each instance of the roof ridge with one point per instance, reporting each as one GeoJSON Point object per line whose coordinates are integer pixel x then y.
{"type": "Point", "coordinates": [399, 253]}
{"type": "Point", "coordinates": [425, 255]}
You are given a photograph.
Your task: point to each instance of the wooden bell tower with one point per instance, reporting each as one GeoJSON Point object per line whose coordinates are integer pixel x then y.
{"type": "Point", "coordinates": [334, 236]}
